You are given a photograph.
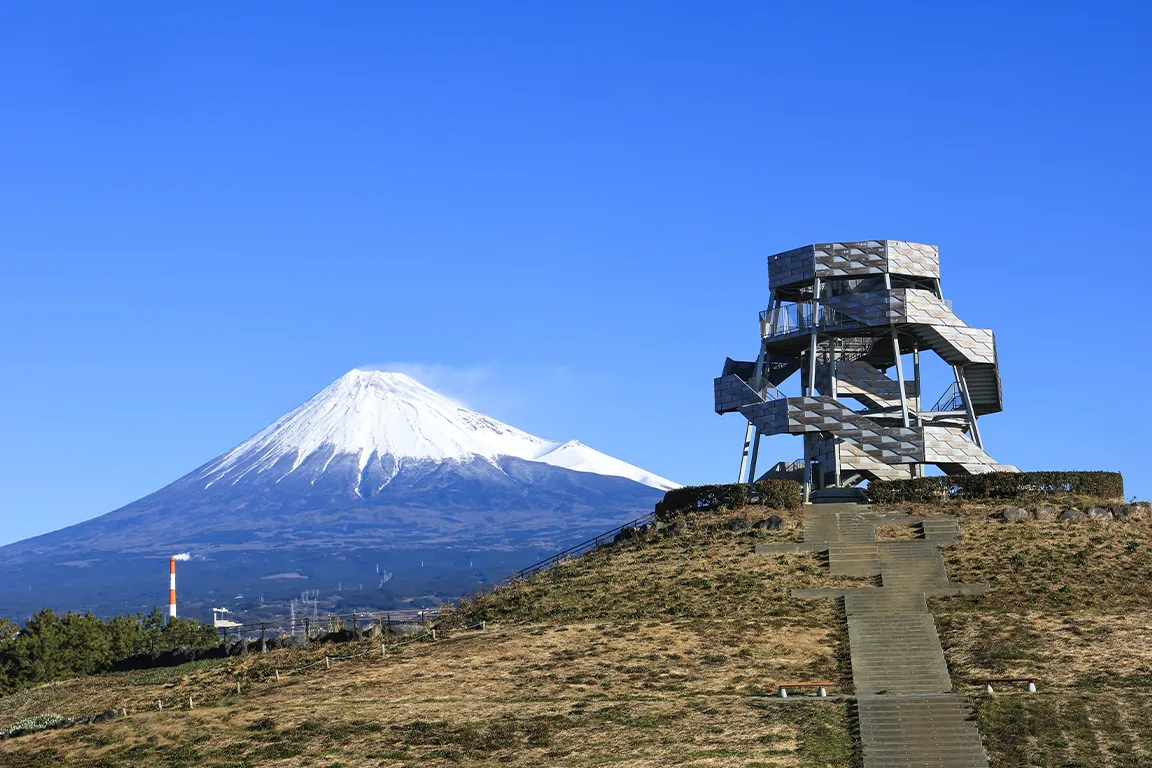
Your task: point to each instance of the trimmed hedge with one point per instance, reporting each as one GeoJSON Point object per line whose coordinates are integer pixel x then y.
{"type": "Point", "coordinates": [776, 494]}
{"type": "Point", "coordinates": [997, 485]}
{"type": "Point", "coordinates": [780, 494]}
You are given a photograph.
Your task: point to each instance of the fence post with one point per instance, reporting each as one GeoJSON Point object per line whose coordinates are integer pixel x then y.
{"type": "Point", "coordinates": [327, 663]}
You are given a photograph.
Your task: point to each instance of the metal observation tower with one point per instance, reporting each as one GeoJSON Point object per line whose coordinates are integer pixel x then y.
{"type": "Point", "coordinates": [846, 317]}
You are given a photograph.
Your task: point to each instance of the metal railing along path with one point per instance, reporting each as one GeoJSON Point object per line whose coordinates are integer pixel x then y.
{"type": "Point", "coordinates": [567, 554]}
{"type": "Point", "coordinates": [336, 621]}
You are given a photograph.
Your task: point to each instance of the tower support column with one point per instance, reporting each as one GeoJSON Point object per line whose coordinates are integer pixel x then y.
{"type": "Point", "coordinates": [963, 382]}
{"type": "Point", "coordinates": [833, 343]}
{"type": "Point", "coordinates": [814, 321]}
{"type": "Point", "coordinates": [900, 377]}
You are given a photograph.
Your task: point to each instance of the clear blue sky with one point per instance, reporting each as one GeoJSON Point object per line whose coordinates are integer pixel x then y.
{"type": "Point", "coordinates": [559, 212]}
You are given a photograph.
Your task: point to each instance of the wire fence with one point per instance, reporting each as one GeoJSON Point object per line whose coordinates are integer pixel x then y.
{"type": "Point", "coordinates": [386, 619]}
{"type": "Point", "coordinates": [332, 622]}
{"type": "Point", "coordinates": [311, 626]}
{"type": "Point", "coordinates": [564, 555]}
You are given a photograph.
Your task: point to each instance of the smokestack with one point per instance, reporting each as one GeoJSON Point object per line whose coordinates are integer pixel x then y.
{"type": "Point", "coordinates": [172, 587]}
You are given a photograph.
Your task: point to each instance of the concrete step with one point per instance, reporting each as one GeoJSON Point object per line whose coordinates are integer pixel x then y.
{"type": "Point", "coordinates": [894, 645]}
{"type": "Point", "coordinates": [900, 731]}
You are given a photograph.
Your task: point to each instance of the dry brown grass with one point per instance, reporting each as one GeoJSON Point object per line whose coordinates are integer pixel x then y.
{"type": "Point", "coordinates": [705, 572]}
{"type": "Point", "coordinates": [659, 652]}
{"type": "Point", "coordinates": [656, 652]}
{"type": "Point", "coordinates": [1073, 651]}
{"type": "Point", "coordinates": [896, 532]}
{"type": "Point", "coordinates": [637, 694]}
{"type": "Point", "coordinates": [1067, 729]}
{"type": "Point", "coordinates": [1053, 567]}
{"type": "Point", "coordinates": [1071, 605]}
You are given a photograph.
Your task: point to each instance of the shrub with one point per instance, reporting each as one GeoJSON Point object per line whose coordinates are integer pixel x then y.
{"type": "Point", "coordinates": [32, 725]}
{"type": "Point", "coordinates": [52, 646]}
{"type": "Point", "coordinates": [780, 494]}
{"type": "Point", "coordinates": [777, 494]}
{"type": "Point", "coordinates": [997, 485]}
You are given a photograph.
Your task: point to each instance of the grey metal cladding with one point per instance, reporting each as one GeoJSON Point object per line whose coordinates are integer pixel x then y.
{"type": "Point", "coordinates": [875, 308]}
{"type": "Point", "coordinates": [862, 381]}
{"type": "Point", "coordinates": [791, 267]}
{"type": "Point", "coordinates": [913, 259]}
{"type": "Point", "coordinates": [732, 393]}
{"type": "Point", "coordinates": [771, 418]}
{"type": "Point", "coordinates": [850, 259]}
{"type": "Point", "coordinates": [853, 259]}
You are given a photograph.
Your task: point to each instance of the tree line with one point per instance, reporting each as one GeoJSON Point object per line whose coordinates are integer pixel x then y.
{"type": "Point", "coordinates": [52, 646]}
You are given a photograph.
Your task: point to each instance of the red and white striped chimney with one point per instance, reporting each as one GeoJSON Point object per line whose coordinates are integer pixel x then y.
{"type": "Point", "coordinates": [172, 587]}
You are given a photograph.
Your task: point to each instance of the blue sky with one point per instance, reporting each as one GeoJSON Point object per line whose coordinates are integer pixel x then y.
{"type": "Point", "coordinates": [558, 212]}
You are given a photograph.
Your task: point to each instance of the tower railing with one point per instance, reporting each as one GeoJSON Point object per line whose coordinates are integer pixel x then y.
{"type": "Point", "coordinates": [796, 318]}
{"type": "Point", "coordinates": [951, 400]}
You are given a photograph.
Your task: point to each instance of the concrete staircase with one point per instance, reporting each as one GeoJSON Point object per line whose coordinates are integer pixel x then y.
{"type": "Point", "coordinates": [925, 731]}
{"type": "Point", "coordinates": [895, 648]}
{"type": "Point", "coordinates": [907, 713]}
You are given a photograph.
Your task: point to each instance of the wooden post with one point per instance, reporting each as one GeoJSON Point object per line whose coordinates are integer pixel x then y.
{"type": "Point", "coordinates": [433, 633]}
{"type": "Point", "coordinates": [237, 686]}
{"type": "Point", "coordinates": [277, 675]}
{"type": "Point", "coordinates": [190, 704]}
{"type": "Point", "coordinates": [384, 650]}
{"type": "Point", "coordinates": [327, 663]}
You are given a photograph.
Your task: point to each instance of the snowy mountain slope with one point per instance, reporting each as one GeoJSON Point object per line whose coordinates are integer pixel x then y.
{"type": "Point", "coordinates": [389, 419]}
{"type": "Point", "coordinates": [576, 456]}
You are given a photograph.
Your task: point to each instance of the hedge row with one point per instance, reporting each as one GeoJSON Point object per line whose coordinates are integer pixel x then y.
{"type": "Point", "coordinates": [997, 485]}
{"type": "Point", "coordinates": [776, 494]}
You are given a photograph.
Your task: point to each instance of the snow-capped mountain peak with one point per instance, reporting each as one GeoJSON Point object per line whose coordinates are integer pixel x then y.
{"type": "Point", "coordinates": [392, 419]}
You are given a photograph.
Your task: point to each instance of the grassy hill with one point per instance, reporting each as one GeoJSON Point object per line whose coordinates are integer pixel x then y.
{"type": "Point", "coordinates": [658, 651]}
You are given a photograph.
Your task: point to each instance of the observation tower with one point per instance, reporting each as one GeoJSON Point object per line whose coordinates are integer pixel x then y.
{"type": "Point", "coordinates": [849, 317]}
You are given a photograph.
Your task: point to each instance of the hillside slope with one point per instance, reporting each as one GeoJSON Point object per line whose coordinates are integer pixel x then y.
{"type": "Point", "coordinates": [661, 651]}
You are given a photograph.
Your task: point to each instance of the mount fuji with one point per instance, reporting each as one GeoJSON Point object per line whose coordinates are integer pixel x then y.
{"type": "Point", "coordinates": [376, 493]}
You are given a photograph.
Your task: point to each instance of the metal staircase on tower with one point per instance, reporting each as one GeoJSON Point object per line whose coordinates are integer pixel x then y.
{"type": "Point", "coordinates": [853, 319]}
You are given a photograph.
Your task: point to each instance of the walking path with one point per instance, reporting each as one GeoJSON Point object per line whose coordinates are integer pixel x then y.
{"type": "Point", "coordinates": [908, 713]}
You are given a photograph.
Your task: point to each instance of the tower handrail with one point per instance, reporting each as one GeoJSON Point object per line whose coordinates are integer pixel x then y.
{"type": "Point", "coordinates": [951, 400]}
{"type": "Point", "coordinates": [798, 317]}
{"type": "Point", "coordinates": [432, 613]}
